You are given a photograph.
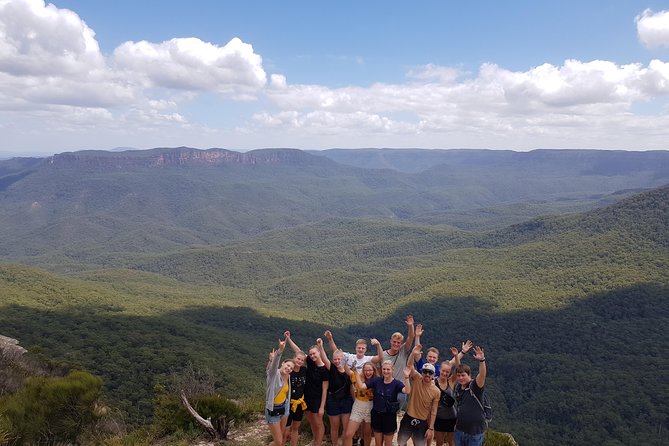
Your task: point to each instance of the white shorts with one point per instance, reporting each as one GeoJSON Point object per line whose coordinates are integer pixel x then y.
{"type": "Point", "coordinates": [361, 411]}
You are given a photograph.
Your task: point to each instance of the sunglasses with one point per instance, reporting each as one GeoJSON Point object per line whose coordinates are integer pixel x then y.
{"type": "Point", "coordinates": [428, 372]}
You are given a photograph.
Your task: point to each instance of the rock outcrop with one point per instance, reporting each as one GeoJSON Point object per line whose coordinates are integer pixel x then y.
{"type": "Point", "coordinates": [178, 157]}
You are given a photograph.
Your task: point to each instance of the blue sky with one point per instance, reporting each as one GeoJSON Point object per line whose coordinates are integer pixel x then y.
{"type": "Point", "coordinates": [78, 74]}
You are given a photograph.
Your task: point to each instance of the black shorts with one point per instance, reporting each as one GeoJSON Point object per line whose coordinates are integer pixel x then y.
{"type": "Point", "coordinates": [445, 425]}
{"type": "Point", "coordinates": [313, 404]}
{"type": "Point", "coordinates": [297, 415]}
{"type": "Point", "coordinates": [384, 422]}
{"type": "Point", "coordinates": [413, 428]}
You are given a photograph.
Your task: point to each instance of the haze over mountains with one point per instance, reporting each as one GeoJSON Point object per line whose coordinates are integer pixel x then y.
{"type": "Point", "coordinates": [557, 262]}
{"type": "Point", "coordinates": [165, 199]}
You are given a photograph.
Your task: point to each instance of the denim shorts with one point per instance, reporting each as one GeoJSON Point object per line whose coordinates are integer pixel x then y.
{"type": "Point", "coordinates": [274, 419]}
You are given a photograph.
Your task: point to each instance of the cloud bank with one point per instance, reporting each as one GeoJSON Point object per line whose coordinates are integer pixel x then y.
{"type": "Point", "coordinates": [56, 83]}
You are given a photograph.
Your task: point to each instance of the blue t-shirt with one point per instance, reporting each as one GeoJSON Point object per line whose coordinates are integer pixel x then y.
{"type": "Point", "coordinates": [384, 392]}
{"type": "Point", "coordinates": [419, 366]}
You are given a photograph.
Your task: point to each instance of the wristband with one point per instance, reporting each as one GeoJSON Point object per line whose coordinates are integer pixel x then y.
{"type": "Point", "coordinates": [482, 360]}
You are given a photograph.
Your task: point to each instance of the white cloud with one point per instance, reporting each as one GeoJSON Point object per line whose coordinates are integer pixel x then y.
{"type": "Point", "coordinates": [434, 73]}
{"type": "Point", "coordinates": [54, 78]}
{"type": "Point", "coordinates": [49, 56]}
{"type": "Point", "coordinates": [38, 39]}
{"type": "Point", "coordinates": [191, 64]}
{"type": "Point", "coordinates": [589, 98]}
{"type": "Point", "coordinates": [653, 28]}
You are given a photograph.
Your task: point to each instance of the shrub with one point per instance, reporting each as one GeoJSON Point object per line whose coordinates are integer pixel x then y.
{"type": "Point", "coordinates": [48, 410]}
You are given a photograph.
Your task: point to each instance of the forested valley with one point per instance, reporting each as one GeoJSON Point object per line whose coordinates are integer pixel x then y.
{"type": "Point", "coordinates": [118, 274]}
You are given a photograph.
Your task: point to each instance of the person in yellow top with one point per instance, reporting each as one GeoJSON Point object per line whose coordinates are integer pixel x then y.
{"type": "Point", "coordinates": [362, 406]}
{"type": "Point", "coordinates": [277, 396]}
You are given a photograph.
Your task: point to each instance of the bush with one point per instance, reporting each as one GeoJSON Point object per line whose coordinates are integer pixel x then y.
{"type": "Point", "coordinates": [498, 439]}
{"type": "Point", "coordinates": [48, 410]}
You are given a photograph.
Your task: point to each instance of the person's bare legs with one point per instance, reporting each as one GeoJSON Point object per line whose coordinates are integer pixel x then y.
{"type": "Point", "coordinates": [317, 427]}
{"type": "Point", "coordinates": [367, 433]}
{"type": "Point", "coordinates": [350, 432]}
{"type": "Point", "coordinates": [335, 421]}
{"type": "Point", "coordinates": [277, 430]}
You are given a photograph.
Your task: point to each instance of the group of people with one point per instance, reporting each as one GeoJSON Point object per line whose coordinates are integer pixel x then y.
{"type": "Point", "coordinates": [364, 393]}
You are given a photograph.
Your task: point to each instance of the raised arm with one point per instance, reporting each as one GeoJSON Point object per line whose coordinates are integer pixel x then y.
{"type": "Point", "coordinates": [410, 335]}
{"type": "Point", "coordinates": [275, 357]}
{"type": "Point", "coordinates": [324, 356]}
{"type": "Point", "coordinates": [290, 342]}
{"type": "Point", "coordinates": [480, 377]}
{"type": "Point", "coordinates": [418, 333]}
{"type": "Point", "coordinates": [331, 342]}
{"type": "Point", "coordinates": [466, 346]}
{"type": "Point", "coordinates": [417, 351]}
{"type": "Point", "coordinates": [454, 363]}
{"type": "Point", "coordinates": [407, 379]}
{"type": "Point", "coordinates": [347, 369]}
{"type": "Point", "coordinates": [358, 380]}
{"type": "Point", "coordinates": [379, 351]}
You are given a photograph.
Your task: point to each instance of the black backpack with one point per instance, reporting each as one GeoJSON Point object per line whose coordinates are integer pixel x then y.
{"type": "Point", "coordinates": [486, 407]}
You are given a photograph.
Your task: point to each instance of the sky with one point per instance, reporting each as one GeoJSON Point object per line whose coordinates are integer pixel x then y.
{"type": "Point", "coordinates": [240, 75]}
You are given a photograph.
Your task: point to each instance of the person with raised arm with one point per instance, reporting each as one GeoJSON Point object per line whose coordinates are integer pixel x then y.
{"type": "Point", "coordinates": [360, 357]}
{"type": "Point", "coordinates": [277, 393]}
{"type": "Point", "coordinates": [362, 405]}
{"type": "Point", "coordinates": [339, 401]}
{"type": "Point", "coordinates": [432, 355]}
{"type": "Point", "coordinates": [315, 390]}
{"type": "Point", "coordinates": [470, 424]}
{"type": "Point", "coordinates": [444, 424]}
{"type": "Point", "coordinates": [399, 352]}
{"type": "Point", "coordinates": [385, 403]}
{"type": "Point", "coordinates": [418, 420]}
{"type": "Point", "coordinates": [298, 380]}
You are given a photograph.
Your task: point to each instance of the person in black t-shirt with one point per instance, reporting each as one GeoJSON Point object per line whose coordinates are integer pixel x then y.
{"type": "Point", "coordinates": [339, 400]}
{"type": "Point", "coordinates": [470, 424]}
{"type": "Point", "coordinates": [298, 379]}
{"type": "Point", "coordinates": [315, 390]}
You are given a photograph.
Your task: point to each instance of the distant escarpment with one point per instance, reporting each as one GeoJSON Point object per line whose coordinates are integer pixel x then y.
{"type": "Point", "coordinates": [179, 157]}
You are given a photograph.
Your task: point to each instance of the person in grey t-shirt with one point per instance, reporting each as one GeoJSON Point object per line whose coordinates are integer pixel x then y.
{"type": "Point", "coordinates": [399, 353]}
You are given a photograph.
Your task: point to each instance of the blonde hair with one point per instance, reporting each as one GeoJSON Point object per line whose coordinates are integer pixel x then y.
{"type": "Point", "coordinates": [397, 335]}
{"type": "Point", "coordinates": [361, 341]}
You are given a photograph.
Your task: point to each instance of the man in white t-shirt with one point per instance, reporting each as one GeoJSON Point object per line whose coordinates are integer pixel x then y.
{"type": "Point", "coordinates": [360, 358]}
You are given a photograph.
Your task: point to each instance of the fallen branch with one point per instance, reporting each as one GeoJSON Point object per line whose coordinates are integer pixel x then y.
{"type": "Point", "coordinates": [206, 424]}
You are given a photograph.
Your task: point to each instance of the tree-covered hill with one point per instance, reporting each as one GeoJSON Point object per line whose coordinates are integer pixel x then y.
{"type": "Point", "coordinates": [68, 211]}
{"type": "Point", "coordinates": [571, 310]}
{"type": "Point", "coordinates": [149, 260]}
{"type": "Point", "coordinates": [553, 161]}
